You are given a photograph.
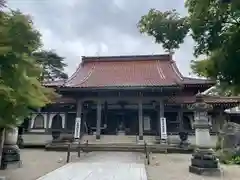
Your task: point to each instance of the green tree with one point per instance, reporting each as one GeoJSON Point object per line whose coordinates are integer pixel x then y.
{"type": "Point", "coordinates": [168, 28]}
{"type": "Point", "coordinates": [216, 30]}
{"type": "Point", "coordinates": [52, 65]}
{"type": "Point", "coordinates": [20, 89]}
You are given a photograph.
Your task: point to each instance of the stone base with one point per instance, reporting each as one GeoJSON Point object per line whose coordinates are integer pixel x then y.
{"type": "Point", "coordinates": [204, 162]}
{"type": "Point", "coordinates": [163, 141]}
{"type": "Point", "coordinates": [121, 133]}
{"type": "Point", "coordinates": [10, 155]}
{"type": "Point", "coordinates": [205, 171]}
{"type": "Point", "coordinates": [140, 138]}
{"type": "Point", "coordinates": [98, 137]}
{"type": "Point", "coordinates": [140, 141]}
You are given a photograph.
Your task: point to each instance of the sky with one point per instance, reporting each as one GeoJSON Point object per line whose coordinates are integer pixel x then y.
{"type": "Point", "coordinates": [75, 28]}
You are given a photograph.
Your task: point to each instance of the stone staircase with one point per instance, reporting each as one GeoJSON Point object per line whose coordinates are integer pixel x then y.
{"type": "Point", "coordinates": [116, 143]}
{"type": "Point", "coordinates": [117, 139]}
{"type": "Point", "coordinates": [110, 139]}
{"type": "Point", "coordinates": [149, 139]}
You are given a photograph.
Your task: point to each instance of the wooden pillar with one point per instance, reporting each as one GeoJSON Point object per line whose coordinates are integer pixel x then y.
{"type": "Point", "coordinates": [99, 115]}
{"type": "Point", "coordinates": [78, 120]}
{"type": "Point", "coordinates": [180, 119]}
{"type": "Point", "coordinates": [79, 108]}
{"type": "Point", "coordinates": [140, 120]}
{"type": "Point", "coordinates": [105, 112]}
{"type": "Point", "coordinates": [47, 123]}
{"type": "Point", "coordinates": [65, 125]}
{"type": "Point", "coordinates": [161, 114]}
{"type": "Point", "coordinates": [84, 116]}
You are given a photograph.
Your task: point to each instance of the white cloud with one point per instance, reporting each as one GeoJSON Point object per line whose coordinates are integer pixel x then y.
{"type": "Point", "coordinates": [76, 28]}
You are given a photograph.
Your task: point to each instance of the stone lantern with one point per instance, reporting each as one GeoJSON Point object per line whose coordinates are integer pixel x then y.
{"type": "Point", "coordinates": [203, 159]}
{"type": "Point", "coordinates": [11, 151]}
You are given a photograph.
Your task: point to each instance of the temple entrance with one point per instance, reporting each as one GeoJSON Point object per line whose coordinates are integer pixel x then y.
{"type": "Point", "coordinates": [123, 121]}
{"type": "Point", "coordinates": [121, 125]}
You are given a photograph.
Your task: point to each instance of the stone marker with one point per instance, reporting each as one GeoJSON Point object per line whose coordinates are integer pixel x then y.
{"type": "Point", "coordinates": [229, 141]}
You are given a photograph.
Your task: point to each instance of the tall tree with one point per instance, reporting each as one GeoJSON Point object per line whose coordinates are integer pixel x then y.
{"type": "Point", "coordinates": [52, 65]}
{"type": "Point", "coordinates": [168, 28]}
{"type": "Point", "coordinates": [216, 30]}
{"type": "Point", "coordinates": [20, 89]}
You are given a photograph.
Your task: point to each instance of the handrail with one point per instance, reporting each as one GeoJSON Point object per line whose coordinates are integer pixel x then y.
{"type": "Point", "coordinates": [68, 152]}
{"type": "Point", "coordinates": [147, 153]}
{"type": "Point", "coordinates": [78, 149]}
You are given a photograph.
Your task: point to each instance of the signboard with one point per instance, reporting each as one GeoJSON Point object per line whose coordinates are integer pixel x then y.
{"type": "Point", "coordinates": [77, 130]}
{"type": "Point", "coordinates": [163, 128]}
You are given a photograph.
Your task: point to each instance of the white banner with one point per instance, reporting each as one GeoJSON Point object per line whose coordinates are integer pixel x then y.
{"type": "Point", "coordinates": [77, 128]}
{"type": "Point", "coordinates": [163, 128]}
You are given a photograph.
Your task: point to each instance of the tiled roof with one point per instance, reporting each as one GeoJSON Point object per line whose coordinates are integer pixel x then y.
{"type": "Point", "coordinates": [207, 99]}
{"type": "Point", "coordinates": [126, 71]}
{"type": "Point", "coordinates": [189, 81]}
{"type": "Point", "coordinates": [63, 100]}
{"type": "Point", "coordinates": [54, 83]}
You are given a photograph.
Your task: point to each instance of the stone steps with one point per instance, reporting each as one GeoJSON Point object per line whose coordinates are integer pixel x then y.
{"type": "Point", "coordinates": [162, 148]}
{"type": "Point", "coordinates": [115, 139]}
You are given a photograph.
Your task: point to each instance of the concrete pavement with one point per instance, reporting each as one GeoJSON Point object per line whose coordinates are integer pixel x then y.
{"type": "Point", "coordinates": [102, 166]}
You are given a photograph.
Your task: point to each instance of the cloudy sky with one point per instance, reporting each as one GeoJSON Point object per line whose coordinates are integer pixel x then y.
{"type": "Point", "coordinates": [76, 28]}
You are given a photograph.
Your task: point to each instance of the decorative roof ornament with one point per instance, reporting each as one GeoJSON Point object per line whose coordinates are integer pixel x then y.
{"type": "Point", "coordinates": [200, 105]}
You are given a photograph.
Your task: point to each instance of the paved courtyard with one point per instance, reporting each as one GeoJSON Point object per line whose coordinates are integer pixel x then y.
{"type": "Point", "coordinates": [36, 163]}
{"type": "Point", "coordinates": [163, 166]}
{"type": "Point", "coordinates": [104, 166]}
{"type": "Point", "coordinates": [175, 166]}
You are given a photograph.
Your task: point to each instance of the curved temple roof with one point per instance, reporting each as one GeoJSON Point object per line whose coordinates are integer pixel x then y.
{"type": "Point", "coordinates": [126, 71]}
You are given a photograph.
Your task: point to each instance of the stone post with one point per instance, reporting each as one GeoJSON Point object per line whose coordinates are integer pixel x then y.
{"type": "Point", "coordinates": [203, 159]}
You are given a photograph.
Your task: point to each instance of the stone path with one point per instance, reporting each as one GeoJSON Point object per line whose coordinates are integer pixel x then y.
{"type": "Point", "coordinates": [104, 166]}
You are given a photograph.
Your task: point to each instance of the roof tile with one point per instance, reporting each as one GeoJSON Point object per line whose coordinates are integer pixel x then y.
{"type": "Point", "coordinates": [115, 73]}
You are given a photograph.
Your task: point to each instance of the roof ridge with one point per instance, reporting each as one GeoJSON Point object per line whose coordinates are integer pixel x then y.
{"type": "Point", "coordinates": [176, 70]}
{"type": "Point", "coordinates": [127, 58]}
{"type": "Point", "coordinates": [88, 75]}
{"type": "Point", "coordinates": [74, 74]}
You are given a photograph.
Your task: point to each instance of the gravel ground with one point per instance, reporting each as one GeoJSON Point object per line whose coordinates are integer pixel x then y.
{"type": "Point", "coordinates": [175, 167]}
{"type": "Point", "coordinates": [163, 166]}
{"type": "Point", "coordinates": [35, 164]}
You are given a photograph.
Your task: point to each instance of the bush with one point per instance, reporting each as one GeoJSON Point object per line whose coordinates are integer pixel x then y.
{"type": "Point", "coordinates": [224, 156]}
{"type": "Point", "coordinates": [235, 160]}
{"type": "Point", "coordinates": [228, 157]}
